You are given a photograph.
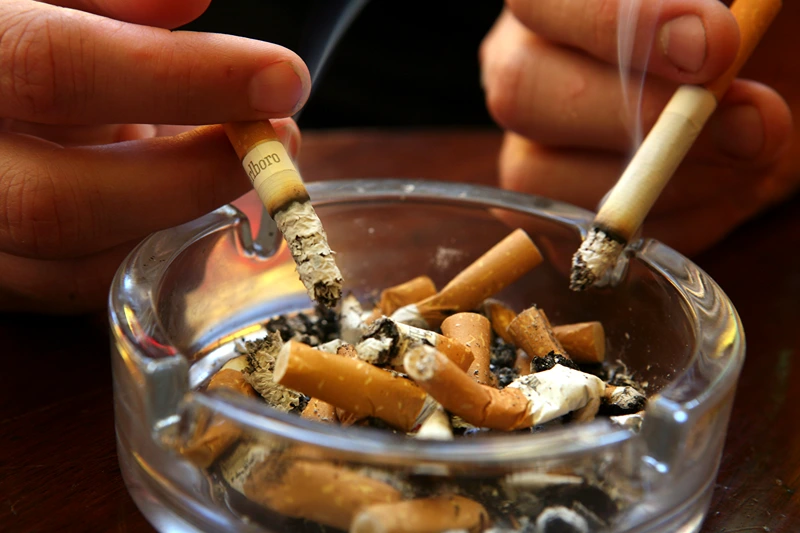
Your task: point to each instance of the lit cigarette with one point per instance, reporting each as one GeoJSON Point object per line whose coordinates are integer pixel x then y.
{"type": "Point", "coordinates": [221, 433]}
{"type": "Point", "coordinates": [585, 342]}
{"type": "Point", "coordinates": [410, 292]}
{"type": "Point", "coordinates": [475, 332]}
{"type": "Point", "coordinates": [428, 515]}
{"type": "Point", "coordinates": [498, 268]}
{"type": "Point", "coordinates": [352, 385]}
{"type": "Point", "coordinates": [531, 331]}
{"type": "Point", "coordinates": [278, 184]}
{"type": "Point", "coordinates": [662, 151]}
{"type": "Point", "coordinates": [479, 405]}
{"type": "Point", "coordinates": [388, 341]}
{"type": "Point", "coordinates": [500, 315]}
{"type": "Point", "coordinates": [319, 411]}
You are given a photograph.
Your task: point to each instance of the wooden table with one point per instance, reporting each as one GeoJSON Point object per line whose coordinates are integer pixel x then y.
{"type": "Point", "coordinates": [58, 464]}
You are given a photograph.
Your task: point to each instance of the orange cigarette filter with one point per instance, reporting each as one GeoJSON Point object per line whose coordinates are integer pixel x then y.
{"type": "Point", "coordinates": [475, 332]}
{"type": "Point", "coordinates": [531, 332]}
{"type": "Point", "coordinates": [585, 341]}
{"type": "Point", "coordinates": [410, 292]}
{"type": "Point", "coordinates": [425, 515]}
{"type": "Point", "coordinates": [480, 405]}
{"type": "Point", "coordinates": [221, 433]}
{"type": "Point", "coordinates": [500, 315]}
{"type": "Point", "coordinates": [350, 384]}
{"type": "Point", "coordinates": [314, 490]}
{"type": "Point", "coordinates": [498, 268]}
{"type": "Point", "coordinates": [319, 411]}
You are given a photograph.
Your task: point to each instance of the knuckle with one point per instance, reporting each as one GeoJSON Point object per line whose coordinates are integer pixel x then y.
{"type": "Point", "coordinates": [41, 214]}
{"type": "Point", "coordinates": [40, 66]}
{"type": "Point", "coordinates": [604, 27]}
{"type": "Point", "coordinates": [503, 89]}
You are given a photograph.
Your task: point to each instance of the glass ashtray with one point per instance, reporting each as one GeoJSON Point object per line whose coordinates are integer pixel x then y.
{"type": "Point", "coordinates": [184, 299]}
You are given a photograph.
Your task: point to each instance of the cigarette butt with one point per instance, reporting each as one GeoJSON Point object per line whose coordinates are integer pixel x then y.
{"type": "Point", "coordinates": [623, 400]}
{"type": "Point", "coordinates": [475, 332]}
{"type": "Point", "coordinates": [317, 491]}
{"type": "Point", "coordinates": [560, 390]}
{"type": "Point", "coordinates": [498, 268]}
{"type": "Point", "coordinates": [351, 320]}
{"type": "Point", "coordinates": [523, 363]}
{"type": "Point", "coordinates": [500, 315]}
{"type": "Point", "coordinates": [410, 292]}
{"type": "Point", "coordinates": [221, 433]}
{"type": "Point", "coordinates": [350, 384]}
{"type": "Point", "coordinates": [454, 349]}
{"type": "Point", "coordinates": [436, 426]}
{"type": "Point", "coordinates": [424, 515]}
{"type": "Point", "coordinates": [479, 405]}
{"type": "Point", "coordinates": [530, 331]}
{"type": "Point", "coordinates": [319, 411]}
{"type": "Point", "coordinates": [585, 341]}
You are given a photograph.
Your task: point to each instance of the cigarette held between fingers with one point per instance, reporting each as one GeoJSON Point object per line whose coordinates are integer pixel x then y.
{"type": "Point", "coordinates": [425, 515]}
{"type": "Point", "coordinates": [498, 268]}
{"type": "Point", "coordinates": [479, 405]}
{"type": "Point", "coordinates": [474, 331]}
{"type": "Point", "coordinates": [350, 384]}
{"type": "Point", "coordinates": [315, 490]}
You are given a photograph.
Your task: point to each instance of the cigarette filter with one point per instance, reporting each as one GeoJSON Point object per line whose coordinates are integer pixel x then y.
{"type": "Point", "coordinates": [352, 385]}
{"type": "Point", "coordinates": [410, 292]}
{"type": "Point", "coordinates": [531, 331]}
{"type": "Point", "coordinates": [585, 341]}
{"type": "Point", "coordinates": [278, 184]}
{"type": "Point", "coordinates": [479, 405]}
{"type": "Point", "coordinates": [221, 433]}
{"type": "Point", "coordinates": [436, 426]}
{"type": "Point", "coordinates": [498, 268]}
{"type": "Point", "coordinates": [475, 332]}
{"type": "Point", "coordinates": [315, 490]}
{"type": "Point", "coordinates": [500, 315]}
{"type": "Point", "coordinates": [428, 515]}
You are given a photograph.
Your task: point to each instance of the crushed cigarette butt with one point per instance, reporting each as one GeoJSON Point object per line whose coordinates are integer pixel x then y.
{"type": "Point", "coordinates": [259, 373]}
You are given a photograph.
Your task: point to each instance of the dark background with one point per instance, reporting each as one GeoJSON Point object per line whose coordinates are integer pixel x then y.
{"type": "Point", "coordinates": [400, 64]}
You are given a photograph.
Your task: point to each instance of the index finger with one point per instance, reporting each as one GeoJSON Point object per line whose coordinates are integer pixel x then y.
{"type": "Point", "coordinates": [686, 41]}
{"type": "Point", "coordinates": [61, 66]}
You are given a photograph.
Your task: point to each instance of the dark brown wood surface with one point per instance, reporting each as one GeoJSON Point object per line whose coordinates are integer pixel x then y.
{"type": "Point", "coordinates": [58, 464]}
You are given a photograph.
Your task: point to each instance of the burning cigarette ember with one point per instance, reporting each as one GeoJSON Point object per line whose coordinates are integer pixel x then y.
{"type": "Point", "coordinates": [495, 270]}
{"type": "Point", "coordinates": [486, 369]}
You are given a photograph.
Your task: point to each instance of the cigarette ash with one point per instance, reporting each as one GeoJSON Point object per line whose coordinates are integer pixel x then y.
{"type": "Point", "coordinates": [501, 363]}
{"type": "Point", "coordinates": [549, 507]}
{"type": "Point", "coordinates": [258, 373]}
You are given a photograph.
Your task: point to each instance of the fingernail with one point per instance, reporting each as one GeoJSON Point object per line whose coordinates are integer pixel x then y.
{"type": "Point", "coordinates": [277, 89]}
{"type": "Point", "coordinates": [738, 131]}
{"type": "Point", "coordinates": [683, 41]}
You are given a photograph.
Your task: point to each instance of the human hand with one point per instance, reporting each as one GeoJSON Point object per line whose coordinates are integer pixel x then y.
{"type": "Point", "coordinates": [551, 74]}
{"type": "Point", "coordinates": [84, 174]}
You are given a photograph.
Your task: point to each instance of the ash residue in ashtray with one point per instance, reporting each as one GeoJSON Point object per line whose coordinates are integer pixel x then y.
{"type": "Point", "coordinates": [402, 365]}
